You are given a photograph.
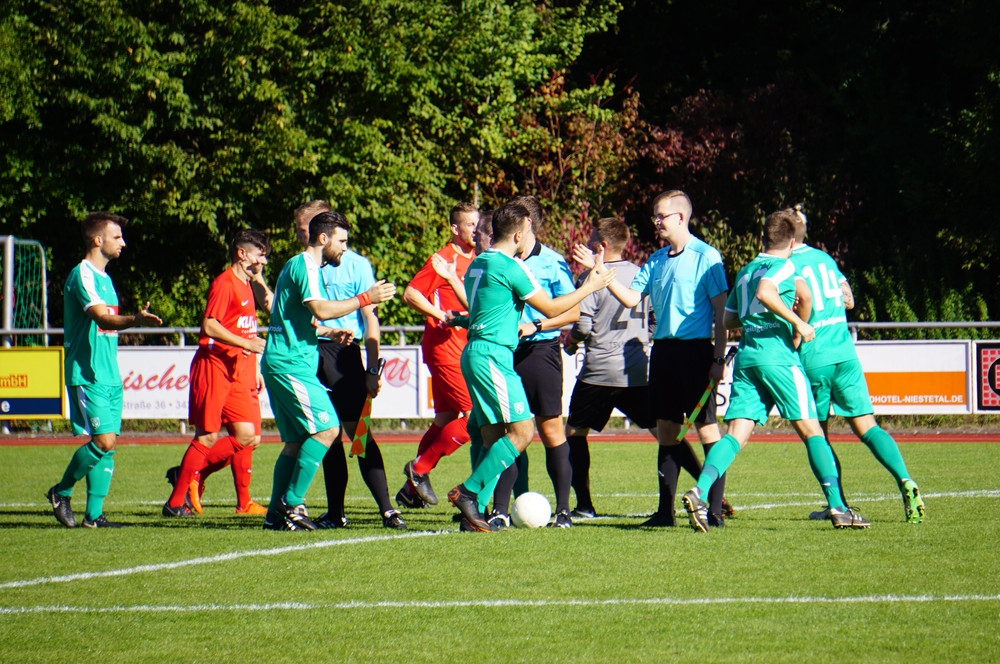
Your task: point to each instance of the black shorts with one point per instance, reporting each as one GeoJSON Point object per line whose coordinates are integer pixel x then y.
{"type": "Point", "coordinates": [591, 405]}
{"type": "Point", "coordinates": [342, 373]}
{"type": "Point", "coordinates": [678, 376]}
{"type": "Point", "coordinates": [539, 364]}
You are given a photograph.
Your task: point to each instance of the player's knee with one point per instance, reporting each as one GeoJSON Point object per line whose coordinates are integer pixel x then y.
{"type": "Point", "coordinates": [105, 441]}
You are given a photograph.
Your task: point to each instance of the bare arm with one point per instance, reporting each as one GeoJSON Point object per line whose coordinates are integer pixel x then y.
{"type": "Point", "coordinates": [327, 309]}
{"type": "Point", "coordinates": [213, 329]}
{"type": "Point", "coordinates": [106, 320]}
{"type": "Point", "coordinates": [803, 300]}
{"type": "Point", "coordinates": [731, 320]}
{"type": "Point", "coordinates": [624, 294]}
{"type": "Point", "coordinates": [263, 296]}
{"type": "Point", "coordinates": [568, 317]}
{"type": "Point", "coordinates": [600, 277]}
{"type": "Point", "coordinates": [845, 288]}
{"type": "Point", "coordinates": [767, 294]}
{"type": "Point", "coordinates": [803, 306]}
{"type": "Point", "coordinates": [418, 301]}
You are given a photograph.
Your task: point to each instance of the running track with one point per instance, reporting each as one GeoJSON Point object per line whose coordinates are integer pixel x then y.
{"type": "Point", "coordinates": [394, 437]}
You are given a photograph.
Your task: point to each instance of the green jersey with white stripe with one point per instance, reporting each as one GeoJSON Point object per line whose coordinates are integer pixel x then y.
{"type": "Point", "coordinates": [497, 286]}
{"type": "Point", "coordinates": [833, 343]}
{"type": "Point", "coordinates": [767, 337]}
{"type": "Point", "coordinates": [291, 335]}
{"type": "Point", "coordinates": [91, 353]}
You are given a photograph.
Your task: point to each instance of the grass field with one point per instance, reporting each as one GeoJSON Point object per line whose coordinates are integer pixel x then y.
{"type": "Point", "coordinates": [771, 587]}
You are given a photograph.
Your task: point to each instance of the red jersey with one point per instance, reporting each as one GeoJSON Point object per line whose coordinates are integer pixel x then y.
{"type": "Point", "coordinates": [441, 341]}
{"type": "Point", "coordinates": [230, 301]}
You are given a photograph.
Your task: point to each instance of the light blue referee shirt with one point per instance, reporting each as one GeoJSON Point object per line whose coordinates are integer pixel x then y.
{"type": "Point", "coordinates": [552, 274]}
{"type": "Point", "coordinates": [681, 289]}
{"type": "Point", "coordinates": [352, 277]}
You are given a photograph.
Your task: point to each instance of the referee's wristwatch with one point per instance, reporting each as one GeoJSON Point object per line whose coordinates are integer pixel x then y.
{"type": "Point", "coordinates": [538, 325]}
{"type": "Point", "coordinates": [721, 361]}
{"type": "Point", "coordinates": [372, 371]}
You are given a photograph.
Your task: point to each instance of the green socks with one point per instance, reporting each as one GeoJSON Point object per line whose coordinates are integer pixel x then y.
{"type": "Point", "coordinates": [716, 463]}
{"type": "Point", "coordinates": [98, 484]}
{"type": "Point", "coordinates": [500, 456]}
{"type": "Point", "coordinates": [884, 448]}
{"type": "Point", "coordinates": [825, 468]}
{"type": "Point", "coordinates": [310, 457]}
{"type": "Point", "coordinates": [84, 460]}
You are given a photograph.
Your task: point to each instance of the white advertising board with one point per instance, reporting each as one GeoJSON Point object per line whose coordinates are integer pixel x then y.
{"type": "Point", "coordinates": [904, 377]}
{"type": "Point", "coordinates": [156, 384]}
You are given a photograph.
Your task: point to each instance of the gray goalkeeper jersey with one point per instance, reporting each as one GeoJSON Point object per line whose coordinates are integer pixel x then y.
{"type": "Point", "coordinates": [616, 338]}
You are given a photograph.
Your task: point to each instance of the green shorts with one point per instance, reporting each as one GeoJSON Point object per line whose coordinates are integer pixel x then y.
{"type": "Point", "coordinates": [497, 392]}
{"type": "Point", "coordinates": [756, 390]}
{"type": "Point", "coordinates": [843, 385]}
{"type": "Point", "coordinates": [95, 409]}
{"type": "Point", "coordinates": [300, 405]}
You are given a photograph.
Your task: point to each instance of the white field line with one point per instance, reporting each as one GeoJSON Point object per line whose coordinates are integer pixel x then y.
{"type": "Point", "coordinates": [222, 557]}
{"type": "Point", "coordinates": [501, 603]}
{"type": "Point", "coordinates": [988, 493]}
{"type": "Point", "coordinates": [815, 495]}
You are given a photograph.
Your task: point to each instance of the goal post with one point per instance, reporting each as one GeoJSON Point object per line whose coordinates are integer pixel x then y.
{"type": "Point", "coordinates": [23, 300]}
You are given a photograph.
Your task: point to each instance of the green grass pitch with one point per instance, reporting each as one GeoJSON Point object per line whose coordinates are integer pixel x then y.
{"type": "Point", "coordinates": [770, 587]}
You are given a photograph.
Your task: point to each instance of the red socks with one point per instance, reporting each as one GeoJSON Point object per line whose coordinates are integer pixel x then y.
{"type": "Point", "coordinates": [194, 461]}
{"type": "Point", "coordinates": [428, 438]}
{"type": "Point", "coordinates": [242, 468]}
{"type": "Point", "coordinates": [452, 436]}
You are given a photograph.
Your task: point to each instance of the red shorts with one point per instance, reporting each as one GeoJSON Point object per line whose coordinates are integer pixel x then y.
{"type": "Point", "coordinates": [215, 398]}
{"type": "Point", "coordinates": [448, 388]}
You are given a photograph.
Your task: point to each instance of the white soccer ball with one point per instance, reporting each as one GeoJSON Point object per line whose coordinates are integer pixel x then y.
{"type": "Point", "coordinates": [531, 510]}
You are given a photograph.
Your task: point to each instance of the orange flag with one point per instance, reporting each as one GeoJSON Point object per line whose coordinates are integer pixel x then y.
{"type": "Point", "coordinates": [361, 433]}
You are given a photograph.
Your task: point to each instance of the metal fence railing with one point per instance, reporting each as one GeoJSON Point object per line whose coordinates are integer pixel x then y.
{"type": "Point", "coordinates": [408, 335]}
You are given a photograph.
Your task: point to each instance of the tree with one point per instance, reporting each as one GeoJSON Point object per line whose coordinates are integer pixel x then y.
{"type": "Point", "coordinates": [196, 119]}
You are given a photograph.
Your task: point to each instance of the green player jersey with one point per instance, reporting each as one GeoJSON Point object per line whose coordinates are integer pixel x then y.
{"type": "Point", "coordinates": [833, 343]}
{"type": "Point", "coordinates": [496, 286]}
{"type": "Point", "coordinates": [291, 335]}
{"type": "Point", "coordinates": [91, 353]}
{"type": "Point", "coordinates": [767, 337]}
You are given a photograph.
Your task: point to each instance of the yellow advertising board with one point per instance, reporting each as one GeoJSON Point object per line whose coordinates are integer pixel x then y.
{"type": "Point", "coordinates": [32, 384]}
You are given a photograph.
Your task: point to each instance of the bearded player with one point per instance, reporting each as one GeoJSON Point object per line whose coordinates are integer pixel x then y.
{"type": "Point", "coordinates": [225, 382]}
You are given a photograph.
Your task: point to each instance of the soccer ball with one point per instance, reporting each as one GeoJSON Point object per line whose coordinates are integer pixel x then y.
{"type": "Point", "coordinates": [531, 510]}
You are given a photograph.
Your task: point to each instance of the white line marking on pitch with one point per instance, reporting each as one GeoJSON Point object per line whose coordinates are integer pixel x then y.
{"type": "Point", "coordinates": [502, 603]}
{"type": "Point", "coordinates": [863, 497]}
{"type": "Point", "coordinates": [222, 557]}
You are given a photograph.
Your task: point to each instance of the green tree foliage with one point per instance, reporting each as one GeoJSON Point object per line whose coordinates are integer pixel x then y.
{"type": "Point", "coordinates": [196, 118]}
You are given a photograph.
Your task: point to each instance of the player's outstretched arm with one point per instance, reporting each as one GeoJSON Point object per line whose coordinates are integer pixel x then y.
{"type": "Point", "coordinates": [100, 314]}
{"type": "Point", "coordinates": [600, 277]}
{"type": "Point", "coordinates": [767, 294]}
{"type": "Point", "coordinates": [628, 297]}
{"type": "Point", "coordinates": [327, 309]}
